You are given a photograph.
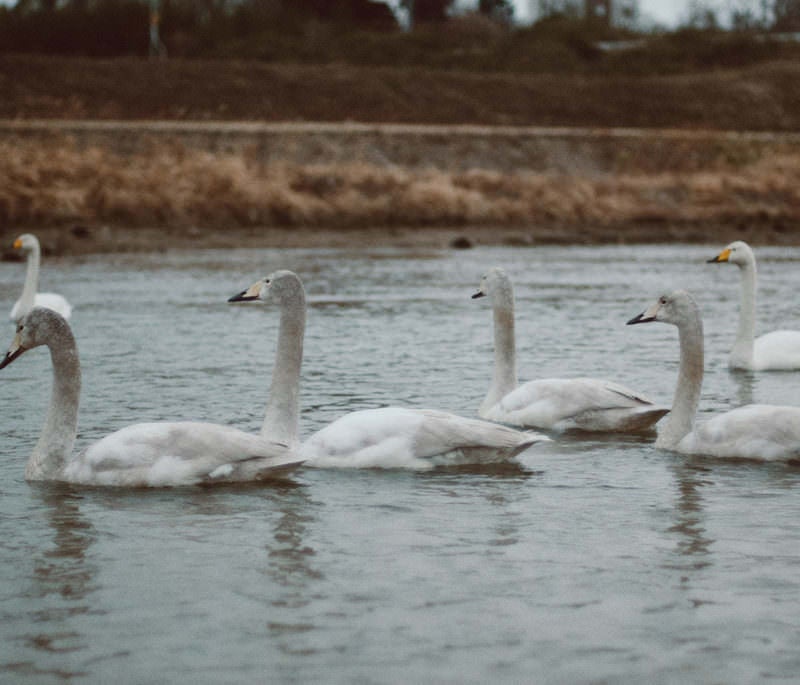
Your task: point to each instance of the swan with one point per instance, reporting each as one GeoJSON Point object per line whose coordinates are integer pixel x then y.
{"type": "Point", "coordinates": [776, 351]}
{"type": "Point", "coordinates": [29, 299]}
{"type": "Point", "coordinates": [388, 437]}
{"type": "Point", "coordinates": [587, 404]}
{"type": "Point", "coordinates": [144, 454]}
{"type": "Point", "coordinates": [755, 431]}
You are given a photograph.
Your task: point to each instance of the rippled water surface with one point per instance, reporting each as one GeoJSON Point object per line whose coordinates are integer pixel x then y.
{"type": "Point", "coordinates": [597, 560]}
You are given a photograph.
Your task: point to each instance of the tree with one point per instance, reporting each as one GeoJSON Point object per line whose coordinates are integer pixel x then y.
{"type": "Point", "coordinates": [787, 15]}
{"type": "Point", "coordinates": [499, 10]}
{"type": "Point", "coordinates": [426, 11]}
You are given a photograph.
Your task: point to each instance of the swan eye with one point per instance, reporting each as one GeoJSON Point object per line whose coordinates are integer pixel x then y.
{"type": "Point", "coordinates": [662, 300]}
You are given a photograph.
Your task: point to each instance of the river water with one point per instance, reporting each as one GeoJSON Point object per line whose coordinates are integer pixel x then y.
{"type": "Point", "coordinates": [595, 560]}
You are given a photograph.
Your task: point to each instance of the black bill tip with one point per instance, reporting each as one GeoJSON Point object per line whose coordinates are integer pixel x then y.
{"type": "Point", "coordinates": [10, 357]}
{"type": "Point", "coordinates": [242, 297]}
{"type": "Point", "coordinates": [478, 294]}
{"type": "Point", "coordinates": [640, 318]}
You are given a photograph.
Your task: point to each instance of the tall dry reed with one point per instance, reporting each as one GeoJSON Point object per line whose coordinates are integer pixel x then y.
{"type": "Point", "coordinates": [55, 182]}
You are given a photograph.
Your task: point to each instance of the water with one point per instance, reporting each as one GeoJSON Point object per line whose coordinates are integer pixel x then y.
{"type": "Point", "coordinates": [597, 560]}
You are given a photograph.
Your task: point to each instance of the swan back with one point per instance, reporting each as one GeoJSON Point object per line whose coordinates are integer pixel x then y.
{"type": "Point", "coordinates": [420, 439]}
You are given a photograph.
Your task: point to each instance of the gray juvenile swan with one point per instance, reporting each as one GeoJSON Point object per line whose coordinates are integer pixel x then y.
{"type": "Point", "coordinates": [775, 351]}
{"type": "Point", "coordinates": [30, 298]}
{"type": "Point", "coordinates": [587, 404]}
{"type": "Point", "coordinates": [756, 431]}
{"type": "Point", "coordinates": [144, 454]}
{"type": "Point", "coordinates": [390, 437]}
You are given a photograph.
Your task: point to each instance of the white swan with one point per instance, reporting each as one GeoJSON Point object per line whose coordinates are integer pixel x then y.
{"type": "Point", "coordinates": [29, 299]}
{"type": "Point", "coordinates": [755, 431]}
{"type": "Point", "coordinates": [587, 404]}
{"type": "Point", "coordinates": [776, 351]}
{"type": "Point", "coordinates": [390, 437]}
{"type": "Point", "coordinates": [145, 454]}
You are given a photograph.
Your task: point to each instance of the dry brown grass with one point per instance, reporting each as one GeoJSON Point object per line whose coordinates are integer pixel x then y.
{"type": "Point", "coordinates": [49, 183]}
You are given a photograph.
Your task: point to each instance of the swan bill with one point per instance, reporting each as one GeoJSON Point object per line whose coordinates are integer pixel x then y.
{"type": "Point", "coordinates": [480, 293]}
{"type": "Point", "coordinates": [13, 352]}
{"type": "Point", "coordinates": [18, 243]}
{"type": "Point", "coordinates": [644, 317]}
{"type": "Point", "coordinates": [252, 293]}
{"type": "Point", "coordinates": [721, 257]}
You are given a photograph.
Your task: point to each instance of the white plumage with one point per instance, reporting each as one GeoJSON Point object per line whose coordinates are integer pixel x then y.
{"type": "Point", "coordinates": [397, 437]}
{"type": "Point", "coordinates": [30, 298]}
{"type": "Point", "coordinates": [388, 437]}
{"type": "Point", "coordinates": [145, 454]}
{"type": "Point", "coordinates": [588, 404]}
{"type": "Point", "coordinates": [775, 351]}
{"type": "Point", "coordinates": [755, 431]}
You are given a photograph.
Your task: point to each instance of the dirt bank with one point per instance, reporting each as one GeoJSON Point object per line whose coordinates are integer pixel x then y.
{"type": "Point", "coordinates": [212, 154]}
{"type": "Point", "coordinates": [763, 97]}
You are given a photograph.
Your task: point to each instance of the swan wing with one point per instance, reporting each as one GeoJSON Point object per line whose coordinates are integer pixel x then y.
{"type": "Point", "coordinates": [58, 303]}
{"type": "Point", "coordinates": [179, 453]}
{"type": "Point", "coordinates": [394, 437]}
{"type": "Point", "coordinates": [582, 403]}
{"type": "Point", "coordinates": [778, 350]}
{"type": "Point", "coordinates": [53, 301]}
{"type": "Point", "coordinates": [757, 431]}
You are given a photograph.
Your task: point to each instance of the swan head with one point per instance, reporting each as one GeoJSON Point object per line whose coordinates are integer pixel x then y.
{"type": "Point", "coordinates": [738, 252]}
{"type": "Point", "coordinates": [38, 327]}
{"type": "Point", "coordinates": [494, 281]}
{"type": "Point", "coordinates": [279, 286]}
{"type": "Point", "coordinates": [26, 242]}
{"type": "Point", "coordinates": [675, 308]}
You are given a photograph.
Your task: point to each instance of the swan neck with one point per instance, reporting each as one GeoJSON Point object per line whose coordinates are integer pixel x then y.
{"type": "Point", "coordinates": [680, 420]}
{"type": "Point", "coordinates": [504, 375]}
{"type": "Point", "coordinates": [55, 444]}
{"type": "Point", "coordinates": [31, 285]}
{"type": "Point", "coordinates": [742, 353]}
{"type": "Point", "coordinates": [281, 419]}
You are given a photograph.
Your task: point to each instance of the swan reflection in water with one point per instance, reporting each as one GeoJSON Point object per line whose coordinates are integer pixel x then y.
{"type": "Point", "coordinates": [64, 580]}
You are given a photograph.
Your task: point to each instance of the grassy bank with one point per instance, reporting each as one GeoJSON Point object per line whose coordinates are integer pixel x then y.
{"type": "Point", "coordinates": [306, 183]}
{"type": "Point", "coordinates": [57, 184]}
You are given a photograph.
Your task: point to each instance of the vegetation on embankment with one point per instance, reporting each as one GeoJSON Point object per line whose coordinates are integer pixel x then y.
{"type": "Point", "coordinates": [761, 97]}
{"type": "Point", "coordinates": [50, 183]}
{"type": "Point", "coordinates": [54, 183]}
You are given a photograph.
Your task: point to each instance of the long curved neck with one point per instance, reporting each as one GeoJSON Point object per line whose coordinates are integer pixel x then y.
{"type": "Point", "coordinates": [680, 419]}
{"type": "Point", "coordinates": [742, 352]}
{"type": "Point", "coordinates": [504, 376]}
{"type": "Point", "coordinates": [281, 419]}
{"type": "Point", "coordinates": [55, 444]}
{"type": "Point", "coordinates": [28, 297]}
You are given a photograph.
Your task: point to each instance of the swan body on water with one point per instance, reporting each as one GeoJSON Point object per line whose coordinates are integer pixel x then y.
{"type": "Point", "coordinates": [560, 404]}
{"type": "Point", "coordinates": [30, 298]}
{"type": "Point", "coordinates": [145, 454]}
{"type": "Point", "coordinates": [775, 351]}
{"type": "Point", "coordinates": [389, 437]}
{"type": "Point", "coordinates": [420, 439]}
{"type": "Point", "coordinates": [756, 431]}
